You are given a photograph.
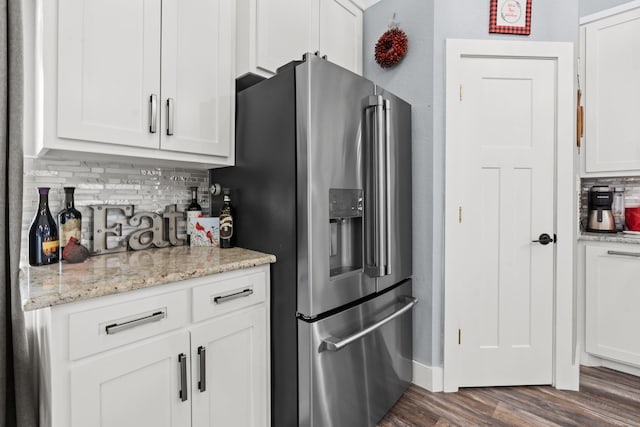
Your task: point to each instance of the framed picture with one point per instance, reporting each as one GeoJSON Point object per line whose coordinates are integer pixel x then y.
{"type": "Point", "coordinates": [510, 17]}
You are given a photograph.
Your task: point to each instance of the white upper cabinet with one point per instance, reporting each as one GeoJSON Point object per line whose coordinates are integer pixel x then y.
{"type": "Point", "coordinates": [272, 33]}
{"type": "Point", "coordinates": [150, 79]}
{"type": "Point", "coordinates": [198, 82]}
{"type": "Point", "coordinates": [107, 72]}
{"type": "Point", "coordinates": [285, 30]}
{"type": "Point", "coordinates": [341, 33]}
{"type": "Point", "coordinates": [612, 88]}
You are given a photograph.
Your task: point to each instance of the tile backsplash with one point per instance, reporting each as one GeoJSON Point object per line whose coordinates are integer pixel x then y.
{"type": "Point", "coordinates": [148, 189]}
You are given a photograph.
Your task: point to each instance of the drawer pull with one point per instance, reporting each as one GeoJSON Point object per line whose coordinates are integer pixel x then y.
{"type": "Point", "coordinates": [119, 327]}
{"type": "Point", "coordinates": [224, 298]}
{"type": "Point", "coordinates": [632, 254]}
{"type": "Point", "coordinates": [182, 361]}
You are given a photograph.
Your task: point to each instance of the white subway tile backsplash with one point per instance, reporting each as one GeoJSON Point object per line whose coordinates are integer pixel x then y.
{"type": "Point", "coordinates": [149, 189]}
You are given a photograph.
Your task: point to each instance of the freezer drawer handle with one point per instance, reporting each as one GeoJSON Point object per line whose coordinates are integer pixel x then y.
{"type": "Point", "coordinates": [633, 254]}
{"type": "Point", "coordinates": [119, 327]}
{"type": "Point", "coordinates": [224, 298]}
{"type": "Point", "coordinates": [335, 344]}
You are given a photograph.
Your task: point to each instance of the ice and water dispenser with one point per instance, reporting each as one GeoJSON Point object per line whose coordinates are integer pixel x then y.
{"type": "Point", "coordinates": [345, 223]}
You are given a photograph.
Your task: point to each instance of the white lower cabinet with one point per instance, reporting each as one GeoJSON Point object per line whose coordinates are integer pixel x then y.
{"type": "Point", "coordinates": [228, 374]}
{"type": "Point", "coordinates": [612, 301]}
{"type": "Point", "coordinates": [153, 360]}
{"type": "Point", "coordinates": [136, 386]}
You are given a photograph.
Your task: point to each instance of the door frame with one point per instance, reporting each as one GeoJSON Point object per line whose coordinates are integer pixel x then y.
{"type": "Point", "coordinates": [565, 359]}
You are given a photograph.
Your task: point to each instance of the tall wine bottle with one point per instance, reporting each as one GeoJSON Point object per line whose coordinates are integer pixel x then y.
{"type": "Point", "coordinates": [194, 210]}
{"type": "Point", "coordinates": [43, 234]}
{"type": "Point", "coordinates": [226, 222]}
{"type": "Point", "coordinates": [69, 220]}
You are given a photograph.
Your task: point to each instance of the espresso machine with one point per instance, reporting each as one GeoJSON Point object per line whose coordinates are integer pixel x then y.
{"type": "Point", "coordinates": [601, 219]}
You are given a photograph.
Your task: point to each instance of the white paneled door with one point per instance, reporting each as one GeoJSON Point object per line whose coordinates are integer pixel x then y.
{"type": "Point", "coordinates": [500, 187]}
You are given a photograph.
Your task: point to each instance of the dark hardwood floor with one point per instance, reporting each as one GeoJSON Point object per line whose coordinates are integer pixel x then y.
{"type": "Point", "coordinates": [606, 398]}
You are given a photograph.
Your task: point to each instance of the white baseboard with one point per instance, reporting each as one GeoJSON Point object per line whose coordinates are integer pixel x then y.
{"type": "Point", "coordinates": [427, 377]}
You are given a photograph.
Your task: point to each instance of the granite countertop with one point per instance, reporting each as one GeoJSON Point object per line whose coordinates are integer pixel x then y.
{"type": "Point", "coordinates": [102, 275]}
{"type": "Point", "coordinates": [609, 237]}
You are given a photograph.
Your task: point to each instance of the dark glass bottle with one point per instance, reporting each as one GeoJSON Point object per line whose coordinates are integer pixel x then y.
{"type": "Point", "coordinates": [194, 210]}
{"type": "Point", "coordinates": [226, 222]}
{"type": "Point", "coordinates": [43, 234]}
{"type": "Point", "coordinates": [69, 220]}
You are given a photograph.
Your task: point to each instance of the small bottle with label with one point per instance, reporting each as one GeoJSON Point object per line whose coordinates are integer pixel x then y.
{"type": "Point", "coordinates": [69, 220]}
{"type": "Point", "coordinates": [43, 233]}
{"type": "Point", "coordinates": [194, 210]}
{"type": "Point", "coordinates": [226, 222]}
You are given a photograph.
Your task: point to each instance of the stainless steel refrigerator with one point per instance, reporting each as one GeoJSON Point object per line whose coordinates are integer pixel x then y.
{"type": "Point", "coordinates": [323, 181]}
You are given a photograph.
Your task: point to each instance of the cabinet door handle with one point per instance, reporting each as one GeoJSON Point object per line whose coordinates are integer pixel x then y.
{"type": "Point", "coordinates": [202, 384]}
{"type": "Point", "coordinates": [224, 298]}
{"type": "Point", "coordinates": [153, 113]}
{"type": "Point", "coordinates": [632, 254]}
{"type": "Point", "coordinates": [119, 327]}
{"type": "Point", "coordinates": [170, 116]}
{"type": "Point", "coordinates": [182, 361]}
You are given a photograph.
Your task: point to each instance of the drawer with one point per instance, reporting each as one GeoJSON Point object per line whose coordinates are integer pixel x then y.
{"type": "Point", "coordinates": [110, 326]}
{"type": "Point", "coordinates": [220, 297]}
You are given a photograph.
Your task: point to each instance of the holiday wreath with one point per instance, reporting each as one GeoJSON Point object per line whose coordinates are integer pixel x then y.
{"type": "Point", "coordinates": [391, 47]}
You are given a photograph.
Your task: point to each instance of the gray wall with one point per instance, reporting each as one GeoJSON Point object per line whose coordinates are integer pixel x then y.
{"type": "Point", "coordinates": [587, 7]}
{"type": "Point", "coordinates": [420, 80]}
{"type": "Point", "coordinates": [412, 80]}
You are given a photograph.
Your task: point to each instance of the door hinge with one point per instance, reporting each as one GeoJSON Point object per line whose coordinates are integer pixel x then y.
{"type": "Point", "coordinates": [459, 336]}
{"type": "Point", "coordinates": [459, 214]}
{"type": "Point", "coordinates": [460, 93]}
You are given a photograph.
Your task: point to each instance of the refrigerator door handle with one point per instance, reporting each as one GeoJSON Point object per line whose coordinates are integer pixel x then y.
{"type": "Point", "coordinates": [377, 170]}
{"type": "Point", "coordinates": [387, 185]}
{"type": "Point", "coordinates": [335, 344]}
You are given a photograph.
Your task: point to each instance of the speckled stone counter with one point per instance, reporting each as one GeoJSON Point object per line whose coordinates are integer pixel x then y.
{"type": "Point", "coordinates": [126, 271]}
{"type": "Point", "coordinates": [609, 238]}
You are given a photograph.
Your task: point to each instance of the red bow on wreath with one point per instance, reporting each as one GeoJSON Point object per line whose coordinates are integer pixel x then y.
{"type": "Point", "coordinates": [391, 47]}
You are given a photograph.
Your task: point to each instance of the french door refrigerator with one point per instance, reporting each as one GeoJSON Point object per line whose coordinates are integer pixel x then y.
{"type": "Point", "coordinates": [323, 181]}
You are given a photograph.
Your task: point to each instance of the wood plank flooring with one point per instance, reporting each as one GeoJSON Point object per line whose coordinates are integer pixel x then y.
{"type": "Point", "coordinates": [606, 398]}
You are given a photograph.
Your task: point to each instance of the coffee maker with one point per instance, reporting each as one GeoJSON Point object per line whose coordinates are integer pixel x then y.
{"type": "Point", "coordinates": [601, 219]}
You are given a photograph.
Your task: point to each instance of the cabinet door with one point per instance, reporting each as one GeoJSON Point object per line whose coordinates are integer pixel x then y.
{"type": "Point", "coordinates": [286, 29]}
{"type": "Point", "coordinates": [341, 33]}
{"type": "Point", "coordinates": [235, 372]}
{"type": "Point", "coordinates": [137, 386]}
{"type": "Point", "coordinates": [198, 66]}
{"type": "Point", "coordinates": [612, 92]}
{"type": "Point", "coordinates": [613, 298]}
{"type": "Point", "coordinates": [108, 69]}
